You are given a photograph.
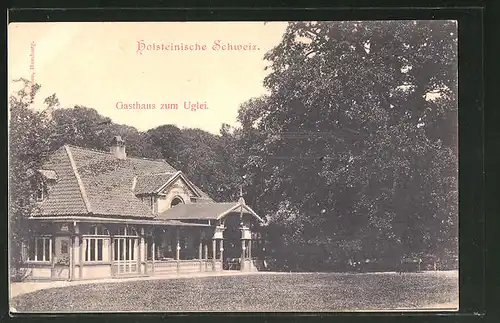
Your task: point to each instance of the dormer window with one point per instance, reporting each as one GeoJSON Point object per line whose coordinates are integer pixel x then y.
{"type": "Point", "coordinates": [40, 191]}
{"type": "Point", "coordinates": [176, 201]}
{"type": "Point", "coordinates": [45, 177]}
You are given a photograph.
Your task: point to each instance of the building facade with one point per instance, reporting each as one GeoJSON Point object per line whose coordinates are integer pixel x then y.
{"type": "Point", "coordinates": [103, 214]}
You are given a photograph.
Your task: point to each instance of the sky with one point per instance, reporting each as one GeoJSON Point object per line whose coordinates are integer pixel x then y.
{"type": "Point", "coordinates": [99, 65]}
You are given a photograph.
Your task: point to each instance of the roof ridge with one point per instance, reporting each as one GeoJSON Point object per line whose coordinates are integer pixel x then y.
{"type": "Point", "coordinates": [134, 182]}
{"type": "Point", "coordinates": [78, 179]}
{"type": "Point", "coordinates": [156, 174]}
{"type": "Point", "coordinates": [128, 157]}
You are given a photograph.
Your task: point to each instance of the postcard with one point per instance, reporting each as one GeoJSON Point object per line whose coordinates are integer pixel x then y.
{"type": "Point", "coordinates": [233, 166]}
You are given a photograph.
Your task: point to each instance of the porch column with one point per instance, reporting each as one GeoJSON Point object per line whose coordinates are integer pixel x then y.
{"type": "Point", "coordinates": [221, 254]}
{"type": "Point", "coordinates": [205, 246]}
{"type": "Point", "coordinates": [177, 250]}
{"type": "Point", "coordinates": [243, 248]}
{"type": "Point", "coordinates": [214, 251]}
{"type": "Point", "coordinates": [112, 253]}
{"type": "Point", "coordinates": [200, 253]}
{"type": "Point", "coordinates": [77, 253]}
{"type": "Point", "coordinates": [153, 246]}
{"type": "Point", "coordinates": [71, 258]}
{"type": "Point", "coordinates": [142, 253]}
{"type": "Point", "coordinates": [250, 249]}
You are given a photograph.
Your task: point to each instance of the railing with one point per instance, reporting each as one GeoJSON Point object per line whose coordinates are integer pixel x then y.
{"type": "Point", "coordinates": [180, 266]}
{"type": "Point", "coordinates": [124, 267]}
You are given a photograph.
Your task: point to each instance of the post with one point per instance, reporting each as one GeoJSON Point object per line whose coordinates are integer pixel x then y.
{"type": "Point", "coordinates": [78, 254]}
{"type": "Point", "coordinates": [131, 244]}
{"type": "Point", "coordinates": [242, 261]}
{"type": "Point", "coordinates": [110, 249]}
{"type": "Point", "coordinates": [142, 253]}
{"type": "Point", "coordinates": [250, 253]}
{"type": "Point", "coordinates": [177, 251]}
{"type": "Point", "coordinates": [124, 253]}
{"type": "Point", "coordinates": [214, 248]}
{"type": "Point", "coordinates": [205, 246]}
{"type": "Point", "coordinates": [221, 254]}
{"type": "Point", "coordinates": [153, 246]}
{"type": "Point", "coordinates": [112, 253]}
{"type": "Point", "coordinates": [200, 254]}
{"type": "Point", "coordinates": [71, 258]}
{"type": "Point", "coordinates": [119, 256]}
{"type": "Point", "coordinates": [50, 250]}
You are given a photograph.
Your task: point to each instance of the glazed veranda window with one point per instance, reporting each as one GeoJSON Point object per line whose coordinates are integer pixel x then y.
{"type": "Point", "coordinates": [96, 244]}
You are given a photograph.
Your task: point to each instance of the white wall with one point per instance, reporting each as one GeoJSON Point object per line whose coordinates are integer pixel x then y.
{"type": "Point", "coordinates": [178, 189]}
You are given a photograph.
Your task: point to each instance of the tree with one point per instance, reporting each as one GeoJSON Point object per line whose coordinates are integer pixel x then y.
{"type": "Point", "coordinates": [85, 127]}
{"type": "Point", "coordinates": [358, 135]}
{"type": "Point", "coordinates": [208, 160]}
{"type": "Point", "coordinates": [28, 145]}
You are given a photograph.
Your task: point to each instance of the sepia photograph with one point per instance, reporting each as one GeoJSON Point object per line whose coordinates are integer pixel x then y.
{"type": "Point", "coordinates": [303, 166]}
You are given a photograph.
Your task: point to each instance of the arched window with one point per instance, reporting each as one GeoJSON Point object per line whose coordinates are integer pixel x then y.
{"type": "Point", "coordinates": [96, 244]}
{"type": "Point", "coordinates": [176, 201]}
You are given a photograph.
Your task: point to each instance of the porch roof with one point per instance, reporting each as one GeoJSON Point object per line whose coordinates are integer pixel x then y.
{"type": "Point", "coordinates": [93, 219]}
{"type": "Point", "coordinates": [205, 211]}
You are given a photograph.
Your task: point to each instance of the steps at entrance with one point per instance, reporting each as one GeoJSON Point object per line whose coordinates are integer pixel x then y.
{"type": "Point", "coordinates": [250, 265]}
{"type": "Point", "coordinates": [258, 265]}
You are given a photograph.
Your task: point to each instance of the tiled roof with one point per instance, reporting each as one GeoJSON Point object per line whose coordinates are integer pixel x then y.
{"type": "Point", "coordinates": [108, 181]}
{"type": "Point", "coordinates": [150, 183]}
{"type": "Point", "coordinates": [95, 182]}
{"type": "Point", "coordinates": [65, 196]}
{"type": "Point", "coordinates": [198, 211]}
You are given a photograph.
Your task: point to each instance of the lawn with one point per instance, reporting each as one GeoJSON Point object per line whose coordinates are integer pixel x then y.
{"type": "Point", "coordinates": [262, 293]}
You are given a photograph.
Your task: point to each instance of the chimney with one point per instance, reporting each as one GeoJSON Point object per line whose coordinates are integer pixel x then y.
{"type": "Point", "coordinates": [118, 148]}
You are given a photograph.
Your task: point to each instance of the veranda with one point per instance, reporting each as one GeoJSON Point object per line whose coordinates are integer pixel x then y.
{"type": "Point", "coordinates": [75, 249]}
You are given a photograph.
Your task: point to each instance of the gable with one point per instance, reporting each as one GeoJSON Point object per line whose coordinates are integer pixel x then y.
{"type": "Point", "coordinates": [178, 189]}
{"type": "Point", "coordinates": [180, 186]}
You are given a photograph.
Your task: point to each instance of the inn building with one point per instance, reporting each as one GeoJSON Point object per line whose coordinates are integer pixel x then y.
{"type": "Point", "coordinates": [104, 214]}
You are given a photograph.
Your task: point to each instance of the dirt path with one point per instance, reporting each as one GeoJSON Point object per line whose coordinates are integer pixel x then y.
{"type": "Point", "coordinates": [17, 289]}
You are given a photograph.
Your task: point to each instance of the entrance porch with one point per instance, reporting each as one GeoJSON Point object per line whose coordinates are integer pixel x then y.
{"type": "Point", "coordinates": [94, 248]}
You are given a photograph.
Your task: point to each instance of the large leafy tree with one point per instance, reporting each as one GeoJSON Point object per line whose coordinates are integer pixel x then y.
{"type": "Point", "coordinates": [29, 131]}
{"type": "Point", "coordinates": [208, 160]}
{"type": "Point", "coordinates": [85, 127]}
{"type": "Point", "coordinates": [358, 134]}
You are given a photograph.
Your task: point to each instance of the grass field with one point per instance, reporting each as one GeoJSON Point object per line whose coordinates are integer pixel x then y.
{"type": "Point", "coordinates": [263, 293]}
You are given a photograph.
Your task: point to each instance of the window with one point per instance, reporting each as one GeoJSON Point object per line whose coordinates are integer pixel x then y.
{"type": "Point", "coordinates": [176, 201]}
{"type": "Point", "coordinates": [126, 244]}
{"type": "Point", "coordinates": [40, 191]}
{"type": "Point", "coordinates": [40, 249]}
{"type": "Point", "coordinates": [125, 249]}
{"type": "Point", "coordinates": [64, 246]}
{"type": "Point", "coordinates": [96, 244]}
